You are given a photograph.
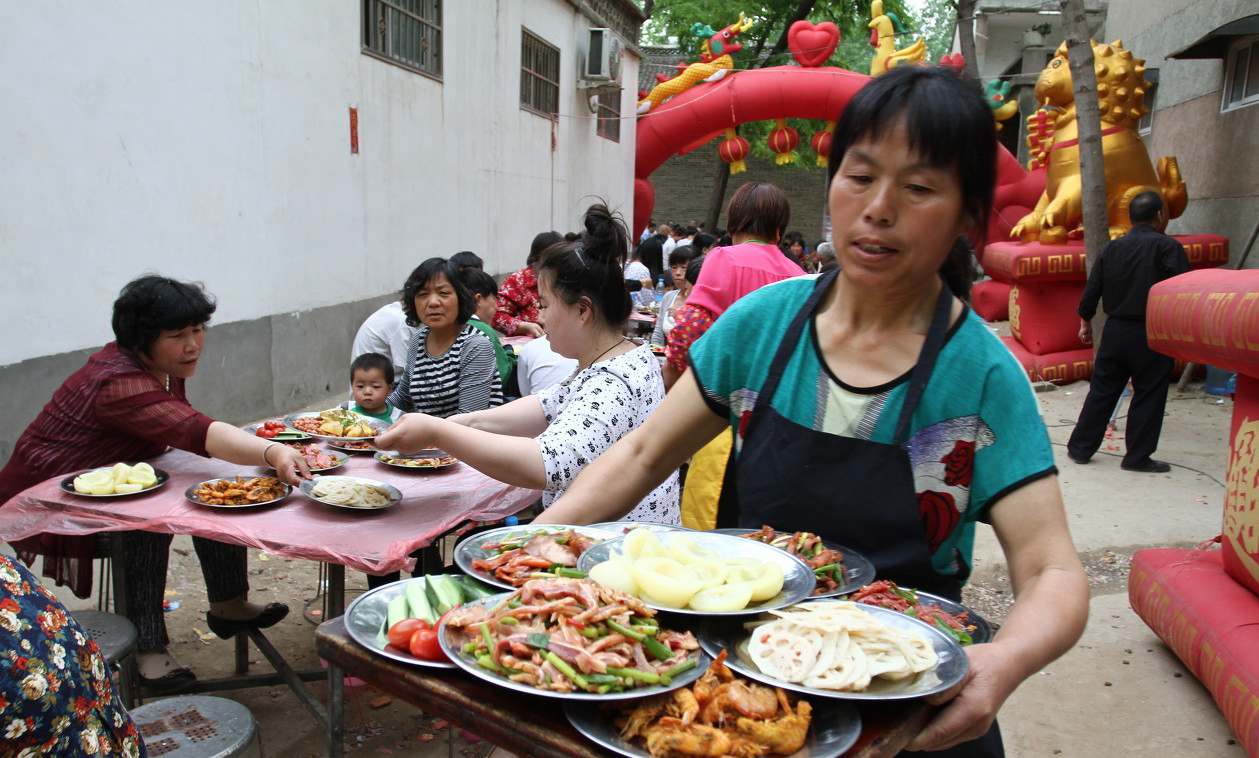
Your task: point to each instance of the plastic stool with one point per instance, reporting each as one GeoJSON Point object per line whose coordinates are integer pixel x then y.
{"type": "Point", "coordinates": [197, 726]}
{"type": "Point", "coordinates": [116, 636]}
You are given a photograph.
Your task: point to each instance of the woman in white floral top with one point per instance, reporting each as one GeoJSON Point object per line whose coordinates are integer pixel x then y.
{"type": "Point", "coordinates": [544, 441]}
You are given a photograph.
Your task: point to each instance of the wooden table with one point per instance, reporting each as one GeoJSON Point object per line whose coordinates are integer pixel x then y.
{"type": "Point", "coordinates": [526, 725]}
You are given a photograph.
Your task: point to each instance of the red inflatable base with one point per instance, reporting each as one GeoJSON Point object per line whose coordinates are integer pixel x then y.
{"type": "Point", "coordinates": [1061, 368]}
{"type": "Point", "coordinates": [991, 300]}
{"type": "Point", "coordinates": [1043, 317]}
{"type": "Point", "coordinates": [1021, 262]}
{"type": "Point", "coordinates": [1212, 624]}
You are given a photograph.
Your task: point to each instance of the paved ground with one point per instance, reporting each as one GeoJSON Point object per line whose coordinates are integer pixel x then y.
{"type": "Point", "coordinates": [1119, 692]}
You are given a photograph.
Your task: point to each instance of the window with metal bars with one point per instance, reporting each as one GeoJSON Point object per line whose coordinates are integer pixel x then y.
{"type": "Point", "coordinates": [539, 75]}
{"type": "Point", "coordinates": [608, 115]}
{"type": "Point", "coordinates": [407, 33]}
{"type": "Point", "coordinates": [1241, 74]}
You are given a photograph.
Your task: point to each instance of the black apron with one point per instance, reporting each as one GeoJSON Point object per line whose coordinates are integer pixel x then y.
{"type": "Point", "coordinates": [855, 492]}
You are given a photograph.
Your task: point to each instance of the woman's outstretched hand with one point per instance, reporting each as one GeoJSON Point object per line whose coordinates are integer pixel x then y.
{"type": "Point", "coordinates": [412, 432]}
{"type": "Point", "coordinates": [290, 464]}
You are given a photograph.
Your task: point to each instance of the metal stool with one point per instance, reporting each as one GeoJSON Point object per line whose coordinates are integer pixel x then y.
{"type": "Point", "coordinates": [116, 637]}
{"type": "Point", "coordinates": [197, 726]}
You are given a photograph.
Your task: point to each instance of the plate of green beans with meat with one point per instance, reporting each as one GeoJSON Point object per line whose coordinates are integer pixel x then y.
{"type": "Point", "coordinates": [571, 639]}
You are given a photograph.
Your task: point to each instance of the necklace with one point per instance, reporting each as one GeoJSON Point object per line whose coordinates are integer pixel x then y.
{"type": "Point", "coordinates": [605, 352]}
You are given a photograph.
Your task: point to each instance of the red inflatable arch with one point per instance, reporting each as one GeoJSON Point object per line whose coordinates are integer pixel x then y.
{"type": "Point", "coordinates": [783, 92]}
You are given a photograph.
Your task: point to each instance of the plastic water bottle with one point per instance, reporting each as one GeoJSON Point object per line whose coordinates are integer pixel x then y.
{"type": "Point", "coordinates": [659, 292]}
{"type": "Point", "coordinates": [511, 521]}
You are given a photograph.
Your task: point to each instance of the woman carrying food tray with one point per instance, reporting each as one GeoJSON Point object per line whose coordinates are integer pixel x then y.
{"type": "Point", "coordinates": [872, 408]}
{"type": "Point", "coordinates": [543, 441]}
{"type": "Point", "coordinates": [127, 403]}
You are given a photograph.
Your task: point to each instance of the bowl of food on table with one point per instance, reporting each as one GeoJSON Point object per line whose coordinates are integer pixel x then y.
{"type": "Point", "coordinates": [318, 459]}
{"type": "Point", "coordinates": [351, 492]}
{"type": "Point", "coordinates": [337, 424]}
{"type": "Point", "coordinates": [700, 573]}
{"type": "Point", "coordinates": [118, 480]}
{"type": "Point", "coordinates": [238, 492]}
{"type": "Point", "coordinates": [424, 460]}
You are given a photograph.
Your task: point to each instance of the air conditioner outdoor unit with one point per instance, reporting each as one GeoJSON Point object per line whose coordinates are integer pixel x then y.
{"type": "Point", "coordinates": [603, 58]}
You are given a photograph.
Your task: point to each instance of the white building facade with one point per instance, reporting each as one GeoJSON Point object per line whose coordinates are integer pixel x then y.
{"type": "Point", "coordinates": [299, 157]}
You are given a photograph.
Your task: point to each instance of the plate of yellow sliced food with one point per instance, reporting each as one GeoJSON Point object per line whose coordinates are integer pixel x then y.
{"type": "Point", "coordinates": [118, 480]}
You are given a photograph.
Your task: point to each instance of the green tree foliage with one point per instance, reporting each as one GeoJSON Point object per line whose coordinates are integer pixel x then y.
{"type": "Point", "coordinates": [671, 21]}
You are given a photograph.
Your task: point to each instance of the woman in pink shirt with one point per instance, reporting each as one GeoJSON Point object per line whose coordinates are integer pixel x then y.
{"type": "Point", "coordinates": [756, 219]}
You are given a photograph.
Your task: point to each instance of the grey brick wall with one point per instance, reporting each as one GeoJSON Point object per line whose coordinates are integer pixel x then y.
{"type": "Point", "coordinates": [684, 185]}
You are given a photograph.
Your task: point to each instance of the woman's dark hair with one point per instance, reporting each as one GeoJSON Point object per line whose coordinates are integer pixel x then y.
{"type": "Point", "coordinates": [791, 238]}
{"type": "Point", "coordinates": [680, 255]}
{"type": "Point", "coordinates": [422, 275]}
{"type": "Point", "coordinates": [152, 304]}
{"type": "Point", "coordinates": [760, 209]}
{"type": "Point", "coordinates": [702, 242]}
{"type": "Point", "coordinates": [592, 266]}
{"type": "Point", "coordinates": [478, 282]}
{"type": "Point", "coordinates": [540, 243]}
{"type": "Point", "coordinates": [948, 123]}
{"type": "Point", "coordinates": [466, 259]}
{"type": "Point", "coordinates": [692, 269]}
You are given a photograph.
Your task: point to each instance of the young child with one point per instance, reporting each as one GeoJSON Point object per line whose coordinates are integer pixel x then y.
{"type": "Point", "coordinates": [371, 379]}
{"type": "Point", "coordinates": [485, 290]}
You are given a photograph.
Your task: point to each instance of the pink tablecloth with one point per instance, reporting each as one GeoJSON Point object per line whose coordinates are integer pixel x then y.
{"type": "Point", "coordinates": [373, 541]}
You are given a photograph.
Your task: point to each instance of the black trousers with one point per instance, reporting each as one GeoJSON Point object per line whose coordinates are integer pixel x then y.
{"type": "Point", "coordinates": [1124, 354]}
{"type": "Point", "coordinates": [147, 556]}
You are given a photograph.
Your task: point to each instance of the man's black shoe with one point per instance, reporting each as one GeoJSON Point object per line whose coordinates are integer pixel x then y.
{"type": "Point", "coordinates": [1077, 459]}
{"type": "Point", "coordinates": [1148, 466]}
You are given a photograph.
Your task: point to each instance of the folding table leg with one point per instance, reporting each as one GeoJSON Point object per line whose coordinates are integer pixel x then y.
{"type": "Point", "coordinates": [335, 600]}
{"type": "Point", "coordinates": [336, 711]}
{"type": "Point", "coordinates": [242, 653]}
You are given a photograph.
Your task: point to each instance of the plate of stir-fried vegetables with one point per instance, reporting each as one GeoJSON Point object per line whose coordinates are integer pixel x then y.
{"type": "Point", "coordinates": [571, 639]}
{"type": "Point", "coordinates": [954, 619]}
{"type": "Point", "coordinates": [509, 556]}
{"type": "Point", "coordinates": [838, 569]}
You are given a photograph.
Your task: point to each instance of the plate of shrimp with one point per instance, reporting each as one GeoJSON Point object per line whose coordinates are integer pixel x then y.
{"type": "Point", "coordinates": [238, 492]}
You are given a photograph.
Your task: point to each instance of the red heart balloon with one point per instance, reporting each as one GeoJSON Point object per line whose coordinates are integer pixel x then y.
{"type": "Point", "coordinates": [812, 44]}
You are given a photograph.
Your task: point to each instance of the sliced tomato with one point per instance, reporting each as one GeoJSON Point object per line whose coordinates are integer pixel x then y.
{"type": "Point", "coordinates": [400, 633]}
{"type": "Point", "coordinates": [424, 646]}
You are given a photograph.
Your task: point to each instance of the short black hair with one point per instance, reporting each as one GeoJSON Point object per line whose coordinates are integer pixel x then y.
{"type": "Point", "coordinates": [680, 255]}
{"type": "Point", "coordinates": [949, 124]}
{"type": "Point", "coordinates": [423, 273]}
{"type": "Point", "coordinates": [478, 282]}
{"type": "Point", "coordinates": [692, 269]}
{"type": "Point", "coordinates": [702, 242]}
{"type": "Point", "coordinates": [1144, 207]}
{"type": "Point", "coordinates": [466, 259]}
{"type": "Point", "coordinates": [592, 266]}
{"type": "Point", "coordinates": [540, 243]}
{"type": "Point", "coordinates": [373, 362]}
{"type": "Point", "coordinates": [151, 304]}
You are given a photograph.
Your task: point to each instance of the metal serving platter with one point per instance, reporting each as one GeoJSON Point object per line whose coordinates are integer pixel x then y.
{"type": "Point", "coordinates": [858, 569]}
{"type": "Point", "coordinates": [621, 528]}
{"type": "Point", "coordinates": [375, 425]}
{"type": "Point", "coordinates": [798, 579]}
{"type": "Point", "coordinates": [394, 494]}
{"type": "Point", "coordinates": [305, 436]}
{"type": "Point", "coordinates": [188, 493]}
{"type": "Point", "coordinates": [447, 461]}
{"type": "Point", "coordinates": [452, 642]}
{"type": "Point", "coordinates": [337, 456]}
{"type": "Point", "coordinates": [338, 443]}
{"type": "Point", "coordinates": [473, 548]}
{"type": "Point", "coordinates": [67, 483]}
{"type": "Point", "coordinates": [366, 617]}
{"type": "Point", "coordinates": [983, 628]}
{"type": "Point", "coordinates": [949, 670]}
{"type": "Point", "coordinates": [834, 727]}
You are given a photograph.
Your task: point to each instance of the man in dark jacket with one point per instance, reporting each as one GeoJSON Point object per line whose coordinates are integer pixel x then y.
{"type": "Point", "coordinates": [1121, 278]}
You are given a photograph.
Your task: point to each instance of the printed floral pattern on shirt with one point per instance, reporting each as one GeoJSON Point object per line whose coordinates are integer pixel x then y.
{"type": "Point", "coordinates": [517, 301]}
{"type": "Point", "coordinates": [689, 325]}
{"type": "Point", "coordinates": [56, 693]}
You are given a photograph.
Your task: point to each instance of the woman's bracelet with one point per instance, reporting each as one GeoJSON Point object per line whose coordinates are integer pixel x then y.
{"type": "Point", "coordinates": [266, 450]}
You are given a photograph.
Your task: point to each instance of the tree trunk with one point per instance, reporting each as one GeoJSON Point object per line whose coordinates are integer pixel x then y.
{"type": "Point", "coordinates": [718, 198]}
{"type": "Point", "coordinates": [966, 36]}
{"type": "Point", "coordinates": [1088, 122]}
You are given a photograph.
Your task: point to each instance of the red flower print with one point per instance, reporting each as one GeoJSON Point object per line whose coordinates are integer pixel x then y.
{"type": "Point", "coordinates": [10, 605]}
{"type": "Point", "coordinates": [959, 464]}
{"type": "Point", "coordinates": [939, 516]}
{"type": "Point", "coordinates": [744, 420]}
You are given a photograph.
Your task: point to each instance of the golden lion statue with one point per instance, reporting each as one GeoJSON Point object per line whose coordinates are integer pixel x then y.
{"type": "Point", "coordinates": [1121, 88]}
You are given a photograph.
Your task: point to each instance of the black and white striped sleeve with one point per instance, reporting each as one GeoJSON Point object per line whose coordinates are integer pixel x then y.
{"type": "Point", "coordinates": [479, 384]}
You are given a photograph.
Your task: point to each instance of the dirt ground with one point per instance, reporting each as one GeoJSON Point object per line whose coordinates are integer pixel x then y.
{"type": "Point", "coordinates": [1096, 700]}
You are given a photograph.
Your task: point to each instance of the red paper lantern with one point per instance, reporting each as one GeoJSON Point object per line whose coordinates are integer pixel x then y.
{"type": "Point", "coordinates": [821, 143]}
{"type": "Point", "coordinates": [783, 140]}
{"type": "Point", "coordinates": [733, 149]}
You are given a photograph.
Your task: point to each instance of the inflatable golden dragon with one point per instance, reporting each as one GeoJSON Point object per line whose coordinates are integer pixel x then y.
{"type": "Point", "coordinates": [714, 62]}
{"type": "Point", "coordinates": [1121, 88]}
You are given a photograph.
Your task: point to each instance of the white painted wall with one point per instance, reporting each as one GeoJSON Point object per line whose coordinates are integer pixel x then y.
{"type": "Point", "coordinates": [210, 141]}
